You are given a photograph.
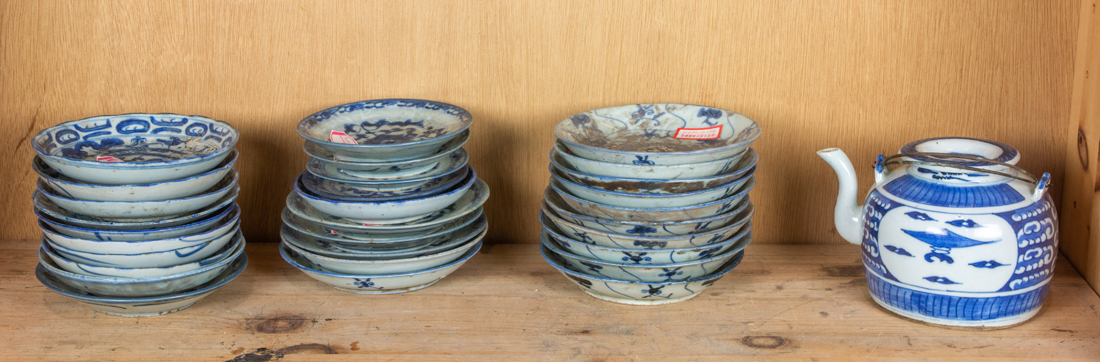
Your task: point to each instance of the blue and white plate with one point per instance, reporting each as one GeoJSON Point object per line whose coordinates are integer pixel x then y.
{"type": "Point", "coordinates": [638, 241]}
{"type": "Point", "coordinates": [101, 271]}
{"type": "Point", "coordinates": [646, 256]}
{"type": "Point", "coordinates": [642, 273]}
{"type": "Point", "coordinates": [355, 191]}
{"type": "Point", "coordinates": [746, 165]}
{"type": "Point", "coordinates": [376, 283]}
{"type": "Point", "coordinates": [657, 134]}
{"type": "Point", "coordinates": [142, 306]}
{"type": "Point", "coordinates": [139, 287]}
{"type": "Point", "coordinates": [139, 211]}
{"type": "Point", "coordinates": [388, 212]}
{"type": "Point", "coordinates": [140, 246]}
{"type": "Point", "coordinates": [43, 206]}
{"type": "Point", "coordinates": [657, 200]}
{"type": "Point", "coordinates": [356, 173]}
{"type": "Point", "coordinates": [321, 247]}
{"type": "Point", "coordinates": [157, 259]}
{"type": "Point", "coordinates": [551, 200]}
{"type": "Point", "coordinates": [226, 216]}
{"type": "Point", "coordinates": [639, 293]}
{"type": "Point", "coordinates": [392, 265]}
{"type": "Point", "coordinates": [386, 129]}
{"type": "Point", "coordinates": [681, 213]}
{"type": "Point", "coordinates": [166, 190]}
{"type": "Point", "coordinates": [470, 202]}
{"type": "Point", "coordinates": [396, 244]}
{"type": "Point", "coordinates": [135, 148]}
{"type": "Point", "coordinates": [383, 170]}
{"type": "Point", "coordinates": [704, 169]}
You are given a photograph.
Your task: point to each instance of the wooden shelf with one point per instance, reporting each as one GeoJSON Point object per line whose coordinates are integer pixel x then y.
{"type": "Point", "coordinates": [783, 302]}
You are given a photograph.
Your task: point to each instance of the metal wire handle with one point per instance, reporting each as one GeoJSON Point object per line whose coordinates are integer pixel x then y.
{"type": "Point", "coordinates": [883, 162]}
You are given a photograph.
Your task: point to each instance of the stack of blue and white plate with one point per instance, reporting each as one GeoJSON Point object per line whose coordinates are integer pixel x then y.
{"type": "Point", "coordinates": [648, 203]}
{"type": "Point", "coordinates": [137, 211]}
{"type": "Point", "coordinates": [388, 203]}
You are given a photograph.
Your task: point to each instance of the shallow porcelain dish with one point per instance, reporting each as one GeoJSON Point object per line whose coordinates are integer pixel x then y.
{"type": "Point", "coordinates": [645, 256]}
{"type": "Point", "coordinates": [142, 306]}
{"type": "Point", "coordinates": [551, 200]}
{"type": "Point", "coordinates": [158, 259]}
{"type": "Point", "coordinates": [639, 293]}
{"type": "Point", "coordinates": [381, 244]}
{"type": "Point", "coordinates": [382, 170]}
{"type": "Point", "coordinates": [101, 271]}
{"type": "Point", "coordinates": [226, 216]}
{"type": "Point", "coordinates": [386, 129]}
{"type": "Point", "coordinates": [642, 273]}
{"type": "Point", "coordinates": [354, 191]}
{"type": "Point", "coordinates": [44, 207]}
{"type": "Point", "coordinates": [681, 213]}
{"type": "Point", "coordinates": [320, 247]}
{"type": "Point", "coordinates": [138, 246]}
{"type": "Point", "coordinates": [385, 266]}
{"type": "Point", "coordinates": [140, 287]}
{"type": "Point", "coordinates": [353, 173]}
{"type": "Point", "coordinates": [389, 211]}
{"type": "Point", "coordinates": [377, 283]}
{"type": "Point", "coordinates": [746, 165]}
{"type": "Point", "coordinates": [173, 189]}
{"type": "Point", "coordinates": [629, 241]}
{"type": "Point", "coordinates": [142, 210]}
{"type": "Point", "coordinates": [657, 134]}
{"type": "Point", "coordinates": [470, 202]}
{"type": "Point", "coordinates": [706, 168]}
{"type": "Point", "coordinates": [626, 199]}
{"type": "Point", "coordinates": [326, 232]}
{"type": "Point", "coordinates": [151, 147]}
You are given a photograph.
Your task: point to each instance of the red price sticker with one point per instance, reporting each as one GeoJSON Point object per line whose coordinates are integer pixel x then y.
{"type": "Point", "coordinates": [699, 133]}
{"type": "Point", "coordinates": [341, 137]}
{"type": "Point", "coordinates": [108, 159]}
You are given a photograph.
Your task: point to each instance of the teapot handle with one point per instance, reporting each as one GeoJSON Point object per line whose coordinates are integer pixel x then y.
{"type": "Point", "coordinates": [1041, 184]}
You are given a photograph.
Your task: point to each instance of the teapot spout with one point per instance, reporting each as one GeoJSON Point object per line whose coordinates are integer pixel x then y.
{"type": "Point", "coordinates": [847, 215]}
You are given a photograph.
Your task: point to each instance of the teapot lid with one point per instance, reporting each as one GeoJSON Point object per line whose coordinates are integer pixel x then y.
{"type": "Point", "coordinates": [990, 150]}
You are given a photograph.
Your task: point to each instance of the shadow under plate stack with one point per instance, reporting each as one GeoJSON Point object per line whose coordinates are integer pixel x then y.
{"type": "Point", "coordinates": [648, 203]}
{"type": "Point", "coordinates": [388, 203]}
{"type": "Point", "coordinates": [137, 211]}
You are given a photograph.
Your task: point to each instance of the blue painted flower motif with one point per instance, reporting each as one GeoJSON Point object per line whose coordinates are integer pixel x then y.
{"type": "Point", "coordinates": [643, 161]}
{"type": "Point", "coordinates": [702, 226]}
{"type": "Point", "coordinates": [654, 291]}
{"type": "Point", "coordinates": [940, 280]}
{"type": "Point", "coordinates": [899, 251]}
{"type": "Point", "coordinates": [580, 120]}
{"type": "Point", "coordinates": [708, 114]}
{"type": "Point", "coordinates": [584, 282]}
{"type": "Point", "coordinates": [365, 283]}
{"type": "Point", "coordinates": [724, 207]}
{"type": "Point", "coordinates": [987, 264]}
{"type": "Point", "coordinates": [963, 223]}
{"type": "Point", "coordinates": [636, 258]}
{"type": "Point", "coordinates": [670, 273]}
{"type": "Point", "coordinates": [917, 215]}
{"type": "Point", "coordinates": [707, 253]}
{"type": "Point", "coordinates": [716, 238]}
{"type": "Point", "coordinates": [641, 230]}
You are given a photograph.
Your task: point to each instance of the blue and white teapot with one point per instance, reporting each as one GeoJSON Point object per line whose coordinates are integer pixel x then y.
{"type": "Point", "coordinates": [957, 235]}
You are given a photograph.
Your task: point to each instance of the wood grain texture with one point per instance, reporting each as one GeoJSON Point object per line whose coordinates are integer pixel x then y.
{"type": "Point", "coordinates": [784, 302]}
{"type": "Point", "coordinates": [867, 76]}
{"type": "Point", "coordinates": [1079, 241]}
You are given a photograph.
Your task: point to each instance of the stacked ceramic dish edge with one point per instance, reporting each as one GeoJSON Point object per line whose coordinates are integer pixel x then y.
{"type": "Point", "coordinates": [648, 203]}
{"type": "Point", "coordinates": [137, 211]}
{"type": "Point", "coordinates": [388, 203]}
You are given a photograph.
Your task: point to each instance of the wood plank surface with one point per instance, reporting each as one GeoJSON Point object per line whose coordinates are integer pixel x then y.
{"type": "Point", "coordinates": [1082, 184]}
{"type": "Point", "coordinates": [866, 76]}
{"type": "Point", "coordinates": [781, 303]}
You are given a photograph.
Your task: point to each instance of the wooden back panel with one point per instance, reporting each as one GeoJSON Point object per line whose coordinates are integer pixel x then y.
{"type": "Point", "coordinates": [866, 76]}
